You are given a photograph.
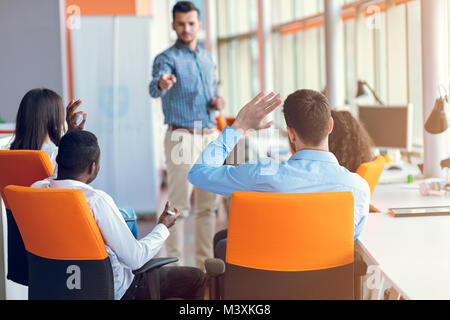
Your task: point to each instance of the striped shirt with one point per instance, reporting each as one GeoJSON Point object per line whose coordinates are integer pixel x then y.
{"type": "Point", "coordinates": [188, 100]}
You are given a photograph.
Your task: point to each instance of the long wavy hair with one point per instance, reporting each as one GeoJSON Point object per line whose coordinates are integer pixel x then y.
{"type": "Point", "coordinates": [349, 141]}
{"type": "Point", "coordinates": [41, 112]}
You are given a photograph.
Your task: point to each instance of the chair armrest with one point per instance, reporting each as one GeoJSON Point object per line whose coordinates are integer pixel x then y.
{"type": "Point", "coordinates": [214, 267]}
{"type": "Point", "coordinates": [154, 263]}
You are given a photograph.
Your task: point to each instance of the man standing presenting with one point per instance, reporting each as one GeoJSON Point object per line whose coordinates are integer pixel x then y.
{"type": "Point", "coordinates": [184, 77]}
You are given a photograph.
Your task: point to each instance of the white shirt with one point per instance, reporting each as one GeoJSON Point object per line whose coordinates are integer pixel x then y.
{"type": "Point", "coordinates": [52, 151]}
{"type": "Point", "coordinates": [125, 252]}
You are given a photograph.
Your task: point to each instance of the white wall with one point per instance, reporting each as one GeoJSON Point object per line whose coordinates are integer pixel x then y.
{"type": "Point", "coordinates": [32, 50]}
{"type": "Point", "coordinates": [161, 27]}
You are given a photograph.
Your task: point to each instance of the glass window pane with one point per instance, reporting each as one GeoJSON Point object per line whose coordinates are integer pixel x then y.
{"type": "Point", "coordinates": [224, 73]}
{"type": "Point", "coordinates": [415, 69]}
{"type": "Point", "coordinates": [311, 77]}
{"type": "Point", "coordinates": [349, 61]}
{"type": "Point", "coordinates": [397, 57]}
{"type": "Point", "coordinates": [366, 57]}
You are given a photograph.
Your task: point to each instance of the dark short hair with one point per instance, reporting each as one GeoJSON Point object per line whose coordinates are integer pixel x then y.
{"type": "Point", "coordinates": [184, 7]}
{"type": "Point", "coordinates": [308, 112]}
{"type": "Point", "coordinates": [77, 150]}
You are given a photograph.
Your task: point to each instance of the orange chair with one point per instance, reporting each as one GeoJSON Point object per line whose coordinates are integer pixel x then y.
{"type": "Point", "coordinates": [371, 171]}
{"type": "Point", "coordinates": [290, 246]}
{"type": "Point", "coordinates": [66, 255]}
{"type": "Point", "coordinates": [222, 122]}
{"type": "Point", "coordinates": [22, 168]}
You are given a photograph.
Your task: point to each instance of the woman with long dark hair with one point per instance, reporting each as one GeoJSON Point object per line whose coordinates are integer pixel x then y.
{"type": "Point", "coordinates": [40, 121]}
{"type": "Point", "coordinates": [349, 141]}
{"type": "Point", "coordinates": [40, 126]}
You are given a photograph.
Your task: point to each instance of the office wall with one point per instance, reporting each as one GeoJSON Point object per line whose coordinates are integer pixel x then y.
{"type": "Point", "coordinates": [32, 50]}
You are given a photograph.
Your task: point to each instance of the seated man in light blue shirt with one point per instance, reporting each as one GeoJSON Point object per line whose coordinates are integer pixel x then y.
{"type": "Point", "coordinates": [311, 169]}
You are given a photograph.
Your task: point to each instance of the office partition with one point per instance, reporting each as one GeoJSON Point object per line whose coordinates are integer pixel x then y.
{"type": "Point", "coordinates": [111, 71]}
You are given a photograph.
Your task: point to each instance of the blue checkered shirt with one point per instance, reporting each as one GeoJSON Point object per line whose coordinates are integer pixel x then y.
{"type": "Point", "coordinates": [188, 100]}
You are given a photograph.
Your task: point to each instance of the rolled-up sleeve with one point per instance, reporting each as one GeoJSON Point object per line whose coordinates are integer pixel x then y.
{"type": "Point", "coordinates": [211, 175]}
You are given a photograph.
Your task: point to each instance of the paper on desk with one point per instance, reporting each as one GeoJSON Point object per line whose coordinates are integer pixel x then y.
{"type": "Point", "coordinates": [416, 184]}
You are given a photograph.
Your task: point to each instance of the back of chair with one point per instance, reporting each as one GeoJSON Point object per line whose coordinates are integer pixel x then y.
{"type": "Point", "coordinates": [371, 171]}
{"type": "Point", "coordinates": [221, 122]}
{"type": "Point", "coordinates": [21, 168]}
{"type": "Point", "coordinates": [67, 257]}
{"type": "Point", "coordinates": [290, 246]}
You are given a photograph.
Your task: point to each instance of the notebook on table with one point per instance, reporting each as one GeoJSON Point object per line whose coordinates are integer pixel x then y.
{"type": "Point", "coordinates": [419, 211]}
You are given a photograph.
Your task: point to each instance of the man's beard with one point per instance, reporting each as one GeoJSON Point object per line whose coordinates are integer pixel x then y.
{"type": "Point", "coordinates": [186, 43]}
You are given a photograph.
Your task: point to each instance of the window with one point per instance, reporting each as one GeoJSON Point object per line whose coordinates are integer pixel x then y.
{"type": "Point", "coordinates": [381, 45]}
{"type": "Point", "coordinates": [414, 69]}
{"type": "Point", "coordinates": [238, 52]}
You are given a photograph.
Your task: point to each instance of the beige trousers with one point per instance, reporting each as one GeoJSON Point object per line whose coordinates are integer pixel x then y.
{"type": "Point", "coordinates": [182, 149]}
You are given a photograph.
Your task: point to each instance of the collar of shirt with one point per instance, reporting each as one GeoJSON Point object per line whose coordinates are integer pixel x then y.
{"type": "Point", "coordinates": [315, 155]}
{"type": "Point", "coordinates": [69, 183]}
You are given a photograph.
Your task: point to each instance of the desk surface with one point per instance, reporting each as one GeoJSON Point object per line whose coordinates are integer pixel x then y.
{"type": "Point", "coordinates": [413, 253]}
{"type": "Point", "coordinates": [387, 196]}
{"type": "Point", "coordinates": [399, 176]}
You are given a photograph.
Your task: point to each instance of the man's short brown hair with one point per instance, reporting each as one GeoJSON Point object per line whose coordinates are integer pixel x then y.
{"type": "Point", "coordinates": [308, 112]}
{"type": "Point", "coordinates": [184, 7]}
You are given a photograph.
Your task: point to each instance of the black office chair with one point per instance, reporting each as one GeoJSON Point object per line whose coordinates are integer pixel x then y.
{"type": "Point", "coordinates": [309, 253]}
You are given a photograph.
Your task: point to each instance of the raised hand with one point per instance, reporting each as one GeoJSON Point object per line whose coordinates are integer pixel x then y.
{"type": "Point", "coordinates": [167, 81]}
{"type": "Point", "coordinates": [252, 115]}
{"type": "Point", "coordinates": [75, 120]}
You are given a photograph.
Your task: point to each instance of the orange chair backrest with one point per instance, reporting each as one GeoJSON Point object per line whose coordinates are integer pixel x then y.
{"type": "Point", "coordinates": [221, 123]}
{"type": "Point", "coordinates": [23, 168]}
{"type": "Point", "coordinates": [56, 223]}
{"type": "Point", "coordinates": [371, 171]}
{"type": "Point", "coordinates": [290, 232]}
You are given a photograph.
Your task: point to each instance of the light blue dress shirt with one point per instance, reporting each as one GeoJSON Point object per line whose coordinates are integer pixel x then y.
{"type": "Point", "coordinates": [307, 171]}
{"type": "Point", "coordinates": [188, 100]}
